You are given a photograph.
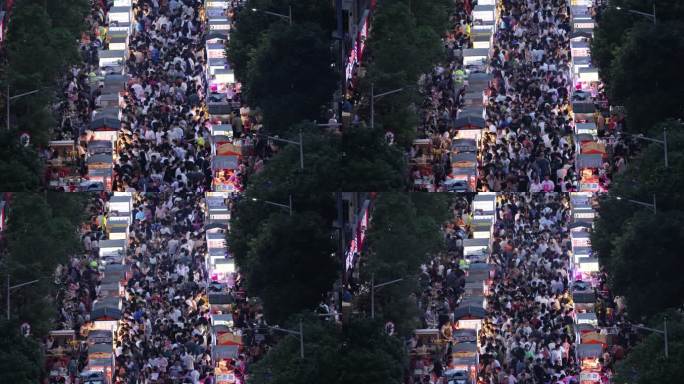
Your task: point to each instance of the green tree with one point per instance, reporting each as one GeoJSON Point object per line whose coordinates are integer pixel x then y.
{"type": "Point", "coordinates": [290, 264]}
{"type": "Point", "coordinates": [615, 25]}
{"type": "Point", "coordinates": [19, 356]}
{"type": "Point", "coordinates": [648, 88]}
{"type": "Point", "coordinates": [357, 352]}
{"type": "Point", "coordinates": [400, 31]}
{"type": "Point", "coordinates": [302, 81]}
{"type": "Point", "coordinates": [40, 45]}
{"type": "Point", "coordinates": [359, 160]}
{"type": "Point", "coordinates": [645, 175]}
{"type": "Point", "coordinates": [245, 38]}
{"type": "Point", "coordinates": [646, 363]}
{"type": "Point", "coordinates": [37, 240]}
{"type": "Point", "coordinates": [400, 238]}
{"type": "Point", "coordinates": [20, 167]}
{"type": "Point", "coordinates": [649, 284]}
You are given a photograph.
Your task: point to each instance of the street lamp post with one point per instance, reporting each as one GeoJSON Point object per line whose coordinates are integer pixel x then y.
{"type": "Point", "coordinates": [279, 205]}
{"type": "Point", "coordinates": [652, 206]}
{"type": "Point", "coordinates": [9, 291]}
{"type": "Point", "coordinates": [374, 287]}
{"type": "Point", "coordinates": [299, 333]}
{"type": "Point", "coordinates": [663, 142]}
{"type": "Point", "coordinates": [372, 101]}
{"type": "Point", "coordinates": [287, 17]}
{"type": "Point", "coordinates": [651, 16]}
{"type": "Point", "coordinates": [662, 332]}
{"type": "Point", "coordinates": [9, 98]}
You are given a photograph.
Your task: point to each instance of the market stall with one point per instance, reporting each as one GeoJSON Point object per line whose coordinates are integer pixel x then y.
{"type": "Point", "coordinates": [469, 316]}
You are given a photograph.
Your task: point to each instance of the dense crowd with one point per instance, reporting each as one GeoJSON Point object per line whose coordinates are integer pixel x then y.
{"type": "Point", "coordinates": [528, 142]}
{"type": "Point", "coordinates": [529, 335]}
{"type": "Point", "coordinates": [163, 144]}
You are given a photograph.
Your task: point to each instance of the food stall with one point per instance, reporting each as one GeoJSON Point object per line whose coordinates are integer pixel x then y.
{"type": "Point", "coordinates": [111, 58]}
{"type": "Point", "coordinates": [463, 145]}
{"type": "Point", "coordinates": [106, 313]}
{"type": "Point", "coordinates": [485, 201]}
{"type": "Point", "coordinates": [428, 341]}
{"type": "Point", "coordinates": [461, 180]}
{"type": "Point", "coordinates": [586, 129]}
{"type": "Point", "coordinates": [481, 229]}
{"type": "Point", "coordinates": [475, 56]}
{"type": "Point", "coordinates": [463, 160]}
{"type": "Point", "coordinates": [583, 112]}
{"type": "Point", "coordinates": [482, 271]}
{"type": "Point", "coordinates": [121, 14]}
{"type": "Point", "coordinates": [587, 77]}
{"type": "Point", "coordinates": [479, 82]}
{"type": "Point", "coordinates": [57, 357]}
{"type": "Point", "coordinates": [470, 315]}
{"type": "Point", "coordinates": [105, 128]}
{"type": "Point", "coordinates": [464, 359]}
{"type": "Point", "coordinates": [484, 13]}
{"type": "Point", "coordinates": [120, 204]}
{"type": "Point", "coordinates": [587, 269]}
{"type": "Point", "coordinates": [484, 215]}
{"type": "Point", "coordinates": [475, 287]}
{"type": "Point", "coordinates": [580, 253]}
{"type": "Point", "coordinates": [588, 355]}
{"type": "Point", "coordinates": [112, 250]}
{"type": "Point", "coordinates": [584, 300]}
{"type": "Point", "coordinates": [221, 301]}
{"type": "Point", "coordinates": [482, 40]}
{"type": "Point", "coordinates": [101, 359]}
{"type": "Point", "coordinates": [469, 123]}
{"type": "Point", "coordinates": [586, 318]}
{"type": "Point", "coordinates": [580, 239]}
{"type": "Point", "coordinates": [217, 210]}
{"type": "Point", "coordinates": [588, 166]}
{"type": "Point", "coordinates": [475, 247]}
{"type": "Point", "coordinates": [62, 166]}
{"type": "Point", "coordinates": [224, 169]}
{"type": "Point", "coordinates": [118, 43]}
{"type": "Point", "coordinates": [100, 336]}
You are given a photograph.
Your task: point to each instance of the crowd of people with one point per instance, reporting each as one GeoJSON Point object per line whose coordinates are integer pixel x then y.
{"type": "Point", "coordinates": [163, 144]}
{"type": "Point", "coordinates": [528, 333]}
{"type": "Point", "coordinates": [528, 134]}
{"type": "Point", "coordinates": [528, 142]}
{"type": "Point", "coordinates": [441, 89]}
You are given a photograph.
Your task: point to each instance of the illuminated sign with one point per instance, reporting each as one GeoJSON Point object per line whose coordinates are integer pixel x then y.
{"type": "Point", "coordinates": [356, 243]}
{"type": "Point", "coordinates": [356, 53]}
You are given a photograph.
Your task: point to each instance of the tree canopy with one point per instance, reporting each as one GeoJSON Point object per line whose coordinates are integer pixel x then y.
{"type": "Point", "coordinates": [39, 236]}
{"type": "Point", "coordinates": [360, 160]}
{"type": "Point", "coordinates": [40, 44]}
{"type": "Point", "coordinates": [20, 166]}
{"type": "Point", "coordinates": [404, 231]}
{"type": "Point", "coordinates": [626, 237]}
{"type": "Point", "coordinates": [18, 355]}
{"type": "Point", "coordinates": [290, 263]}
{"type": "Point", "coordinates": [646, 362]}
{"type": "Point", "coordinates": [638, 59]}
{"type": "Point", "coordinates": [355, 353]}
{"type": "Point", "coordinates": [403, 28]}
{"type": "Point", "coordinates": [289, 75]}
{"type": "Point", "coordinates": [251, 26]}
